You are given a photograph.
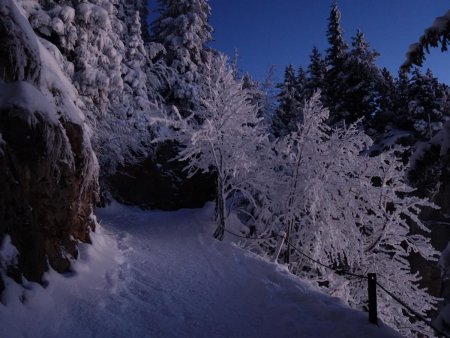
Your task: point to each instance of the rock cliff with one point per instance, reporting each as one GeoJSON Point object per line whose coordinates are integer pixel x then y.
{"type": "Point", "coordinates": [48, 170]}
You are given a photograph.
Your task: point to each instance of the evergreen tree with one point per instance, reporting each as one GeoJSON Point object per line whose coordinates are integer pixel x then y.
{"type": "Point", "coordinates": [183, 29]}
{"type": "Point", "coordinates": [126, 12]}
{"type": "Point", "coordinates": [401, 99]}
{"type": "Point", "coordinates": [362, 76]}
{"type": "Point", "coordinates": [98, 52]}
{"type": "Point", "coordinates": [421, 103]}
{"type": "Point", "coordinates": [289, 110]}
{"type": "Point", "coordinates": [336, 57]}
{"type": "Point", "coordinates": [317, 70]}
{"type": "Point", "coordinates": [352, 76]}
{"type": "Point", "coordinates": [132, 107]}
{"type": "Point", "coordinates": [336, 53]}
{"type": "Point", "coordinates": [428, 106]}
{"type": "Point", "coordinates": [135, 59]}
{"type": "Point", "coordinates": [385, 101]}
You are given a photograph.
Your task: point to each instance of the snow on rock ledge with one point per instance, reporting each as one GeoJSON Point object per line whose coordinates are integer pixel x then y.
{"type": "Point", "coordinates": [48, 170]}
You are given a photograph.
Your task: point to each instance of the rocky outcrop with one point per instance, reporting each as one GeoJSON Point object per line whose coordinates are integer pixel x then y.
{"type": "Point", "coordinates": [45, 204]}
{"type": "Point", "coordinates": [48, 171]}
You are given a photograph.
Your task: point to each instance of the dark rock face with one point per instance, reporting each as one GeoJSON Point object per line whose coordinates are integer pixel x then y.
{"type": "Point", "coordinates": [48, 171]}
{"type": "Point", "coordinates": [45, 206]}
{"type": "Point", "coordinates": [159, 183]}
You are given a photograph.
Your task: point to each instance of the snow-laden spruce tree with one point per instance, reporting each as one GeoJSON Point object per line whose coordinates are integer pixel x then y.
{"type": "Point", "coordinates": [183, 30]}
{"type": "Point", "coordinates": [428, 106]}
{"type": "Point", "coordinates": [222, 137]}
{"type": "Point", "coordinates": [100, 47]}
{"type": "Point", "coordinates": [348, 211]}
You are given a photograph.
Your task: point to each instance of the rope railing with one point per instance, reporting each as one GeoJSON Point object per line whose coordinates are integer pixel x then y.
{"type": "Point", "coordinates": [372, 280]}
{"type": "Point", "coordinates": [336, 270]}
{"type": "Point", "coordinates": [415, 313]}
{"type": "Point", "coordinates": [251, 238]}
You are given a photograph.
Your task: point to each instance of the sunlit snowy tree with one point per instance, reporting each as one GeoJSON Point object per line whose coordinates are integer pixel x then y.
{"type": "Point", "coordinates": [349, 211]}
{"type": "Point", "coordinates": [257, 97]}
{"type": "Point", "coordinates": [222, 137]}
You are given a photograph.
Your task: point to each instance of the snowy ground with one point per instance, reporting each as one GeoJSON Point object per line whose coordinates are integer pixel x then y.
{"type": "Point", "coordinates": [160, 274]}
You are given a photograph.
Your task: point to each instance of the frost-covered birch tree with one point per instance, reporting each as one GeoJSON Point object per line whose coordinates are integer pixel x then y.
{"type": "Point", "coordinates": [349, 211]}
{"type": "Point", "coordinates": [222, 138]}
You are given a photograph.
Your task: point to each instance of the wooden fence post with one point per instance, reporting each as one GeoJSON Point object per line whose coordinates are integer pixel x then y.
{"type": "Point", "coordinates": [281, 237]}
{"type": "Point", "coordinates": [372, 280]}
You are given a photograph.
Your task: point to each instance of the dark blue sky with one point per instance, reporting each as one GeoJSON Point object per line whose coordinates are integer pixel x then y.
{"type": "Point", "coordinates": [280, 32]}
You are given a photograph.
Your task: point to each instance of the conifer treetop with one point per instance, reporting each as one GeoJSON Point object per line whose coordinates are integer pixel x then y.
{"type": "Point", "coordinates": [335, 36]}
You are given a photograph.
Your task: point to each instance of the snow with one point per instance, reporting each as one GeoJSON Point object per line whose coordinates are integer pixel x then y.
{"type": "Point", "coordinates": [161, 274]}
{"type": "Point", "coordinates": [67, 14]}
{"type": "Point", "coordinates": [58, 26]}
{"type": "Point", "coordinates": [56, 85]}
{"type": "Point", "coordinates": [90, 13]}
{"type": "Point", "coordinates": [23, 47]}
{"type": "Point", "coordinates": [8, 252]}
{"type": "Point", "coordinates": [25, 96]}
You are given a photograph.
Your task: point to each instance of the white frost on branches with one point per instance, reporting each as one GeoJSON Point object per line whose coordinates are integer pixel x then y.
{"type": "Point", "coordinates": [223, 137]}
{"type": "Point", "coordinates": [349, 211]}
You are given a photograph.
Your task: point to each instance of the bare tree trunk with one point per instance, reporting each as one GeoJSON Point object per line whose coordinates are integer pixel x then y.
{"type": "Point", "coordinates": [220, 210]}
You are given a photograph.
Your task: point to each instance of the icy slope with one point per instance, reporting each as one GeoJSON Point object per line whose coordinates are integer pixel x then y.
{"type": "Point", "coordinates": [160, 274]}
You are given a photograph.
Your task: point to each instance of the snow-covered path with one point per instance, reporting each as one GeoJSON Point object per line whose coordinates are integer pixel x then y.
{"type": "Point", "coordinates": [156, 274]}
